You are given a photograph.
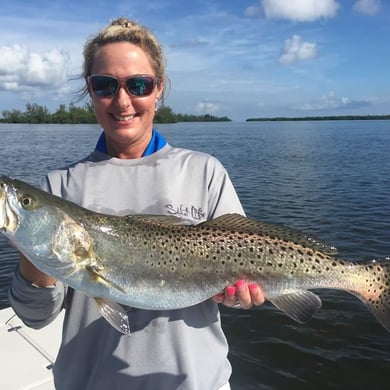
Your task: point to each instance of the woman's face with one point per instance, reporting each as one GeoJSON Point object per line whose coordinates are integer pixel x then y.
{"type": "Point", "coordinates": [127, 120]}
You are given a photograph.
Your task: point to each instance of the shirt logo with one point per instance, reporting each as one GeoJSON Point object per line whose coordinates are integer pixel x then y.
{"type": "Point", "coordinates": [184, 211]}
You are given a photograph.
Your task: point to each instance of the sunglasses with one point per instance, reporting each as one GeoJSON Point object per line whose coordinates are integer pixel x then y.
{"type": "Point", "coordinates": [108, 86]}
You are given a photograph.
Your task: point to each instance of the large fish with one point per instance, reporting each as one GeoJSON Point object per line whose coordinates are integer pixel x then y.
{"type": "Point", "coordinates": [157, 262]}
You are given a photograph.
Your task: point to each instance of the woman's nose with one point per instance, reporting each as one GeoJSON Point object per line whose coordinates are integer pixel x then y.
{"type": "Point", "coordinates": [123, 98]}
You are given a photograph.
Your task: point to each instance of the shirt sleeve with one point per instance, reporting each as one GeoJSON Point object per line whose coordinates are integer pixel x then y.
{"type": "Point", "coordinates": [223, 198]}
{"type": "Point", "coordinates": [36, 306]}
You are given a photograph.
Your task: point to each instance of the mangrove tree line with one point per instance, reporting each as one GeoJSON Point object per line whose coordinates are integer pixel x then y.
{"type": "Point", "coordinates": [72, 114]}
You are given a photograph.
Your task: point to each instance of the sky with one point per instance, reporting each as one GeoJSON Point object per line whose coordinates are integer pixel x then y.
{"type": "Point", "coordinates": [235, 58]}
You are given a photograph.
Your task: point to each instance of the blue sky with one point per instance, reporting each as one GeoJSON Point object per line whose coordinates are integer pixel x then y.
{"type": "Point", "coordinates": [239, 58]}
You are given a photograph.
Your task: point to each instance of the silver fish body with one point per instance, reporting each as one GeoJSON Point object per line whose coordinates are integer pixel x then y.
{"type": "Point", "coordinates": [157, 262]}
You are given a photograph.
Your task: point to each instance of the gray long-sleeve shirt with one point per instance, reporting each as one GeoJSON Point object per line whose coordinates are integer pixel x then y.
{"type": "Point", "coordinates": [178, 349]}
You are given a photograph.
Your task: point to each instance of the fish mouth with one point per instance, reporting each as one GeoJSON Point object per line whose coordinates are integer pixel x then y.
{"type": "Point", "coordinates": [8, 217]}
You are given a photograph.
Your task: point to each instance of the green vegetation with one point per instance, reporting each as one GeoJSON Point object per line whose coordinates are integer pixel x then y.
{"type": "Point", "coordinates": [35, 113]}
{"type": "Point", "coordinates": [201, 118]}
{"type": "Point", "coordinates": [322, 118]}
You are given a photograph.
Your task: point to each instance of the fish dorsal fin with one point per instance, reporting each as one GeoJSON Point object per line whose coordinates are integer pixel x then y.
{"type": "Point", "coordinates": [164, 219]}
{"type": "Point", "coordinates": [300, 305]}
{"type": "Point", "coordinates": [239, 223]}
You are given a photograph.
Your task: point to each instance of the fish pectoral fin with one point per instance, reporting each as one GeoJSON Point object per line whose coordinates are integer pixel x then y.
{"type": "Point", "coordinates": [300, 306]}
{"type": "Point", "coordinates": [95, 274]}
{"type": "Point", "coordinates": [115, 315]}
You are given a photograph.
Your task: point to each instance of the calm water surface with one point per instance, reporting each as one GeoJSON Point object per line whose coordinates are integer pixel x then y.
{"type": "Point", "coordinates": [331, 179]}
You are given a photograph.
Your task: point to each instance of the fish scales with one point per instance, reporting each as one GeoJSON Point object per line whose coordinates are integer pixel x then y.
{"type": "Point", "coordinates": [210, 258]}
{"type": "Point", "coordinates": [157, 262]}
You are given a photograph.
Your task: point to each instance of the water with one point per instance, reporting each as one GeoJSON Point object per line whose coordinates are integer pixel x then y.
{"type": "Point", "coordinates": [331, 179]}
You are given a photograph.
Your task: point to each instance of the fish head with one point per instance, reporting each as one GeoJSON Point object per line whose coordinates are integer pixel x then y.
{"type": "Point", "coordinates": [18, 201]}
{"type": "Point", "coordinates": [35, 224]}
{"type": "Point", "coordinates": [26, 217]}
{"type": "Point", "coordinates": [10, 206]}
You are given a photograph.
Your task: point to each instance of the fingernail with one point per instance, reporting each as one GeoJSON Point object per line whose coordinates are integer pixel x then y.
{"type": "Point", "coordinates": [253, 287]}
{"type": "Point", "coordinates": [220, 297]}
{"type": "Point", "coordinates": [231, 291]}
{"type": "Point", "coordinates": [240, 283]}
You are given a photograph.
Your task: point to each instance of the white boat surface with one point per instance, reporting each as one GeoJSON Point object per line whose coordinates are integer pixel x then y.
{"type": "Point", "coordinates": [27, 355]}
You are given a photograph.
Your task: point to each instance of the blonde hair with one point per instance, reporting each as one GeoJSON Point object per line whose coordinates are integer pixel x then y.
{"type": "Point", "coordinates": [125, 30]}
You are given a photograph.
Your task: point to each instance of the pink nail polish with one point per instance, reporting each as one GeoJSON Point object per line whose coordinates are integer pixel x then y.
{"type": "Point", "coordinates": [252, 287]}
{"type": "Point", "coordinates": [231, 291]}
{"type": "Point", "coordinates": [240, 283]}
{"type": "Point", "coordinates": [220, 297]}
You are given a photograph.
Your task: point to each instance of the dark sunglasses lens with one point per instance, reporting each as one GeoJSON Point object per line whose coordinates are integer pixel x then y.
{"type": "Point", "coordinates": [104, 85]}
{"type": "Point", "coordinates": [140, 85]}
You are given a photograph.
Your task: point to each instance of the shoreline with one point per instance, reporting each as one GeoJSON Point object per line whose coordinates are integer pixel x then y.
{"type": "Point", "coordinates": [320, 118]}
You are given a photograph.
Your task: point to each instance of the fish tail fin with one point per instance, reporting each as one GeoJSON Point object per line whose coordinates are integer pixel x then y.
{"type": "Point", "coordinates": [374, 289]}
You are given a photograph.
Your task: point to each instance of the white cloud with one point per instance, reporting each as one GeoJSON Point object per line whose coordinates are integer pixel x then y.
{"type": "Point", "coordinates": [12, 59]}
{"type": "Point", "coordinates": [207, 107]}
{"type": "Point", "coordinates": [369, 7]}
{"type": "Point", "coordinates": [23, 70]}
{"type": "Point", "coordinates": [333, 102]}
{"type": "Point", "coordinates": [300, 10]}
{"type": "Point", "coordinates": [296, 50]}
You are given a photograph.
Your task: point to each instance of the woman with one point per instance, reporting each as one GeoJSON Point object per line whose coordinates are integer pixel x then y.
{"type": "Point", "coordinates": [134, 171]}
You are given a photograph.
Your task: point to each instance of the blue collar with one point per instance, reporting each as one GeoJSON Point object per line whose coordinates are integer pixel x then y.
{"type": "Point", "coordinates": [156, 143]}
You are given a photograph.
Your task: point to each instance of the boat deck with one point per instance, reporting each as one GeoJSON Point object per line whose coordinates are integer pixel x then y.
{"type": "Point", "coordinates": [27, 355]}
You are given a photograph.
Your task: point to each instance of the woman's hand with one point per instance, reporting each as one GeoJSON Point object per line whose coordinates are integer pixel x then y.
{"type": "Point", "coordinates": [241, 293]}
{"type": "Point", "coordinates": [33, 274]}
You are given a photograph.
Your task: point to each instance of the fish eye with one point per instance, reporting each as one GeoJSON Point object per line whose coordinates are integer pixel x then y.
{"type": "Point", "coordinates": [27, 202]}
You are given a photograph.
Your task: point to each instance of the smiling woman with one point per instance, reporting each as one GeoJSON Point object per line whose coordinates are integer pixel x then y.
{"type": "Point", "coordinates": [133, 170]}
{"type": "Point", "coordinates": [124, 51]}
{"type": "Point", "coordinates": [126, 117]}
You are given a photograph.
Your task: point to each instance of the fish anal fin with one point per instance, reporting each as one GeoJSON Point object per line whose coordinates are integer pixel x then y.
{"type": "Point", "coordinates": [95, 274]}
{"type": "Point", "coordinates": [115, 315]}
{"type": "Point", "coordinates": [300, 306]}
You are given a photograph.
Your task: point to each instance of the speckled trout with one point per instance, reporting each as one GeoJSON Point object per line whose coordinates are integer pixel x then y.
{"type": "Point", "coordinates": [158, 262]}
